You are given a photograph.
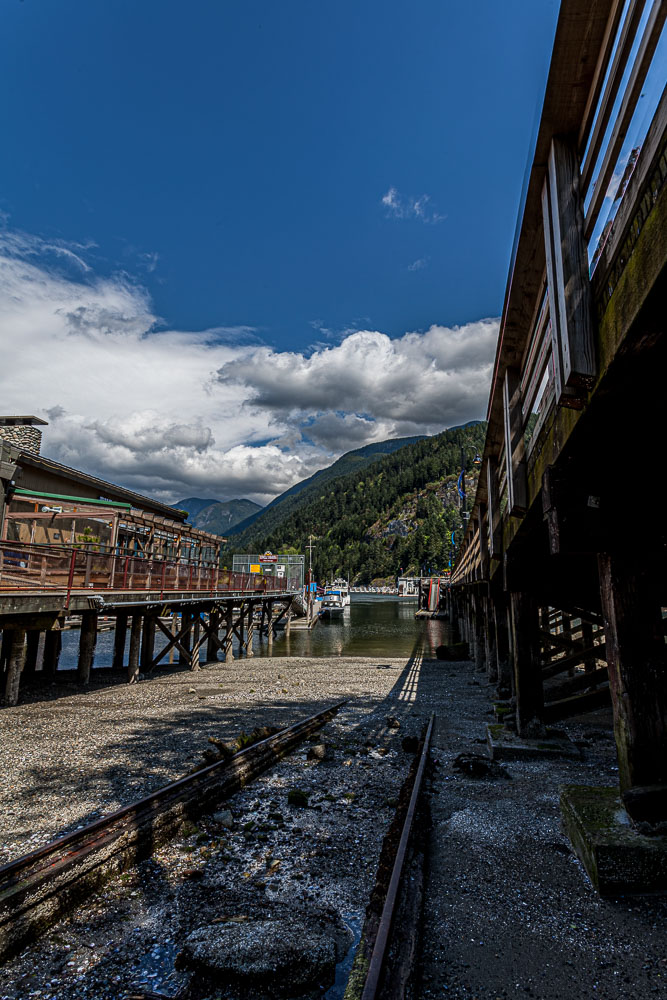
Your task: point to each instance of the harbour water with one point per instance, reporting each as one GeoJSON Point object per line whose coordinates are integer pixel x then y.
{"type": "Point", "coordinates": [373, 625]}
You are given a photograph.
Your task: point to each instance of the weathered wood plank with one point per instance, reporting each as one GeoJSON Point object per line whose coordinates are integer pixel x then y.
{"type": "Point", "coordinates": [567, 269]}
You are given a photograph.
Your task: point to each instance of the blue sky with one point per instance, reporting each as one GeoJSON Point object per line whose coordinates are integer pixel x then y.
{"type": "Point", "coordinates": [264, 179]}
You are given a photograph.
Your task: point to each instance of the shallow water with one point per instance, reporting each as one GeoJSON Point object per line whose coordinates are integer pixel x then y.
{"type": "Point", "coordinates": [371, 626]}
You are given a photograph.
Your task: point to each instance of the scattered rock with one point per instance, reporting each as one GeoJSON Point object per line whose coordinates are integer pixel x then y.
{"type": "Point", "coordinates": [287, 956]}
{"type": "Point", "coordinates": [474, 765]}
{"type": "Point", "coordinates": [317, 752]}
{"type": "Point", "coordinates": [393, 723]}
{"type": "Point", "coordinates": [224, 818]}
{"type": "Point", "coordinates": [297, 797]}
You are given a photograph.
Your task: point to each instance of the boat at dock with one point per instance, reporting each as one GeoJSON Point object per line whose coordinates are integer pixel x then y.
{"type": "Point", "coordinates": [332, 605]}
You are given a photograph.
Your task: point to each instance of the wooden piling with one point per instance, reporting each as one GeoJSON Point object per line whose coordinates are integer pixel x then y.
{"type": "Point", "coordinates": [87, 643]}
{"type": "Point", "coordinates": [184, 658]}
{"type": "Point", "coordinates": [53, 641]}
{"type": "Point", "coordinates": [147, 644]}
{"type": "Point", "coordinates": [250, 631]}
{"type": "Point", "coordinates": [229, 633]}
{"type": "Point", "coordinates": [31, 651]}
{"type": "Point", "coordinates": [635, 650]}
{"type": "Point", "coordinates": [196, 641]}
{"type": "Point", "coordinates": [526, 663]}
{"type": "Point", "coordinates": [119, 640]}
{"type": "Point", "coordinates": [269, 632]}
{"type": "Point", "coordinates": [135, 644]}
{"type": "Point", "coordinates": [490, 651]}
{"type": "Point", "coordinates": [211, 647]}
{"type": "Point", "coordinates": [15, 662]}
{"type": "Point", "coordinates": [504, 683]}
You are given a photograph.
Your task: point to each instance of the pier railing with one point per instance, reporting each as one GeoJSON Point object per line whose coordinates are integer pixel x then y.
{"type": "Point", "coordinates": [38, 568]}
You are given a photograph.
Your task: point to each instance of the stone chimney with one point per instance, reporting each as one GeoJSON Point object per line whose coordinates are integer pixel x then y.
{"type": "Point", "coordinates": [23, 432]}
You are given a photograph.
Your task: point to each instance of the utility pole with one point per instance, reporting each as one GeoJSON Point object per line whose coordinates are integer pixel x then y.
{"type": "Point", "coordinates": [309, 546]}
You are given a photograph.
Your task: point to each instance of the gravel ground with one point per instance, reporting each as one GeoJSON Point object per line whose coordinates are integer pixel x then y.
{"type": "Point", "coordinates": [509, 911]}
{"type": "Point", "coordinates": [278, 860]}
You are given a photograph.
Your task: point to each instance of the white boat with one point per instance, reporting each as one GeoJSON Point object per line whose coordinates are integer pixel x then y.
{"type": "Point", "coordinates": [342, 587]}
{"type": "Point", "coordinates": [332, 605]}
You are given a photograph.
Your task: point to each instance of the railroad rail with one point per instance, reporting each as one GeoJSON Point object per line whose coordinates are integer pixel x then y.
{"type": "Point", "coordinates": [37, 889]}
{"type": "Point", "coordinates": [370, 971]}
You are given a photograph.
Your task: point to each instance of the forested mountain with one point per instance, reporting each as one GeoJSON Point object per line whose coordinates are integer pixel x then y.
{"type": "Point", "coordinates": [270, 516]}
{"type": "Point", "coordinates": [217, 516]}
{"type": "Point", "coordinates": [394, 515]}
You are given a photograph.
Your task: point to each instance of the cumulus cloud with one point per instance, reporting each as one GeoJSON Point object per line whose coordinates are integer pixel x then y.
{"type": "Point", "coordinates": [399, 206]}
{"type": "Point", "coordinates": [419, 264]}
{"type": "Point", "coordinates": [216, 412]}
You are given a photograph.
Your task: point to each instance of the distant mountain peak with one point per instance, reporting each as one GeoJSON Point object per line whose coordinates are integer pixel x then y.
{"type": "Point", "coordinates": [217, 516]}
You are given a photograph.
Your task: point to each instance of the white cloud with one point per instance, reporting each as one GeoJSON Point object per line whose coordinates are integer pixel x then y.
{"type": "Point", "coordinates": [419, 264]}
{"type": "Point", "coordinates": [214, 413]}
{"type": "Point", "coordinates": [400, 206]}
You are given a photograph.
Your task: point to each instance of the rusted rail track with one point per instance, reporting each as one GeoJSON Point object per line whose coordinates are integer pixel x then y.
{"type": "Point", "coordinates": [37, 889]}
{"type": "Point", "coordinates": [371, 977]}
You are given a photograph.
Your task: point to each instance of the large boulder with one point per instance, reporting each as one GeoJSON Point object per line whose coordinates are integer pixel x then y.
{"type": "Point", "coordinates": [283, 957]}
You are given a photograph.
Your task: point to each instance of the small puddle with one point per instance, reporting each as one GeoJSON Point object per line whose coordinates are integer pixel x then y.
{"type": "Point", "coordinates": [354, 922]}
{"type": "Point", "coordinates": [156, 969]}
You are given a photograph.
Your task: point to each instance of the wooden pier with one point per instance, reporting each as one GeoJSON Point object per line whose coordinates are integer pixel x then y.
{"type": "Point", "coordinates": [559, 586]}
{"type": "Point", "coordinates": [129, 562]}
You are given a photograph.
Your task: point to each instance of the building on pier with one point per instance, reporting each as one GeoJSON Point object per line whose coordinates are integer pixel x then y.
{"type": "Point", "coordinates": [73, 544]}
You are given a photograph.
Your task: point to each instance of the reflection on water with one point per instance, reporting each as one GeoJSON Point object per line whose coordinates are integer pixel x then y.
{"type": "Point", "coordinates": [371, 626]}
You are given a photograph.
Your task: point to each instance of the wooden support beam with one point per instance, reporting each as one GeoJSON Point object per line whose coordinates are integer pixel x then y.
{"type": "Point", "coordinates": [184, 656]}
{"type": "Point", "coordinates": [490, 651]}
{"type": "Point", "coordinates": [15, 662]}
{"type": "Point", "coordinates": [479, 646]}
{"type": "Point", "coordinates": [502, 642]}
{"type": "Point", "coordinates": [637, 672]}
{"type": "Point", "coordinates": [238, 627]}
{"type": "Point", "coordinates": [587, 641]}
{"type": "Point", "coordinates": [87, 643]}
{"type": "Point", "coordinates": [211, 646]}
{"type": "Point", "coordinates": [250, 631]}
{"type": "Point", "coordinates": [147, 643]}
{"type": "Point", "coordinates": [580, 681]}
{"type": "Point", "coordinates": [526, 664]}
{"type": "Point", "coordinates": [229, 634]}
{"type": "Point", "coordinates": [32, 649]}
{"type": "Point", "coordinates": [176, 641]}
{"type": "Point", "coordinates": [53, 641]}
{"type": "Point", "coordinates": [269, 631]}
{"type": "Point", "coordinates": [197, 641]}
{"type": "Point", "coordinates": [577, 704]}
{"type": "Point", "coordinates": [573, 660]}
{"type": "Point", "coordinates": [119, 640]}
{"type": "Point", "coordinates": [135, 645]}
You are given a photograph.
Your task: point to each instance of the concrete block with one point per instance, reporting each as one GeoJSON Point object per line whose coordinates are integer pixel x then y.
{"type": "Point", "coordinates": [619, 860]}
{"type": "Point", "coordinates": [507, 745]}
